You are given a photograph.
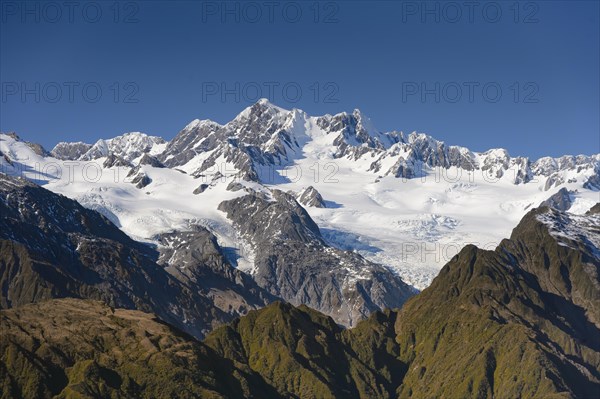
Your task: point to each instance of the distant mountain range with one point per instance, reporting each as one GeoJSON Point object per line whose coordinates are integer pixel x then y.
{"type": "Point", "coordinates": [265, 135]}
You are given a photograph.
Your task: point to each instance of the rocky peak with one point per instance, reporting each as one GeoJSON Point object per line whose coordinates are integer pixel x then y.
{"type": "Point", "coordinates": [355, 134]}
{"type": "Point", "coordinates": [36, 148]}
{"type": "Point", "coordinates": [128, 146]}
{"type": "Point", "coordinates": [293, 262]}
{"type": "Point", "coordinates": [197, 137]}
{"type": "Point", "coordinates": [70, 151]}
{"type": "Point", "coordinates": [311, 197]}
{"type": "Point", "coordinates": [264, 135]}
{"type": "Point", "coordinates": [594, 210]}
{"type": "Point", "coordinates": [98, 150]}
{"type": "Point", "coordinates": [150, 160]}
{"type": "Point", "coordinates": [113, 160]}
{"type": "Point", "coordinates": [256, 124]}
{"type": "Point", "coordinates": [561, 200]}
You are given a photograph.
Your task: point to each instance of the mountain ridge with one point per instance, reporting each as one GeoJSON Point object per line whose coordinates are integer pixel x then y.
{"type": "Point", "coordinates": [494, 323]}
{"type": "Point", "coordinates": [413, 152]}
{"type": "Point", "coordinates": [51, 246]}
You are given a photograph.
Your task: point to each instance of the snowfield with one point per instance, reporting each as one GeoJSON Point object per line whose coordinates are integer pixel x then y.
{"type": "Point", "coordinates": [415, 226]}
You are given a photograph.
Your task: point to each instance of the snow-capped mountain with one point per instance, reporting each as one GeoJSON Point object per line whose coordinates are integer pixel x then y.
{"type": "Point", "coordinates": [70, 151]}
{"type": "Point", "coordinates": [408, 202]}
{"type": "Point", "coordinates": [264, 135]}
{"type": "Point", "coordinates": [128, 146]}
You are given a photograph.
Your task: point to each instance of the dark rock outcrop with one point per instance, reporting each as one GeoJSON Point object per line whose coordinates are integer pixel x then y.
{"type": "Point", "coordinates": [148, 159]}
{"type": "Point", "coordinates": [293, 262]}
{"type": "Point", "coordinates": [561, 200]}
{"type": "Point", "coordinates": [593, 182]}
{"type": "Point", "coordinates": [141, 180]}
{"type": "Point", "coordinates": [311, 197]}
{"type": "Point", "coordinates": [113, 160]}
{"type": "Point", "coordinates": [70, 151]}
{"type": "Point", "coordinates": [196, 258]}
{"type": "Point", "coordinates": [201, 188]}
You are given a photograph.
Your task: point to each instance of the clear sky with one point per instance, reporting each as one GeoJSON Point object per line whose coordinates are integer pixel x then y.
{"type": "Point", "coordinates": [518, 75]}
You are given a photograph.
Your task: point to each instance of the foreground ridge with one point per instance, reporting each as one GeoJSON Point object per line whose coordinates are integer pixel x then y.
{"type": "Point", "coordinates": [520, 321]}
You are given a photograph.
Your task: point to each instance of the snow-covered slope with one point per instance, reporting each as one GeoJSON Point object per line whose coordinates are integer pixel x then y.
{"type": "Point", "coordinates": [406, 201]}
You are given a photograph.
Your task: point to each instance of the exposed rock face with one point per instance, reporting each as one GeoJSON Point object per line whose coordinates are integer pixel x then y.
{"type": "Point", "coordinates": [147, 159]}
{"type": "Point", "coordinates": [141, 180]}
{"type": "Point", "coordinates": [593, 182]}
{"type": "Point", "coordinates": [235, 186]}
{"type": "Point", "coordinates": [355, 136]}
{"type": "Point", "coordinates": [201, 188]}
{"type": "Point", "coordinates": [113, 160]}
{"type": "Point", "coordinates": [259, 137]}
{"type": "Point", "coordinates": [38, 149]}
{"type": "Point", "coordinates": [417, 152]}
{"type": "Point", "coordinates": [561, 200]}
{"type": "Point", "coordinates": [196, 258]}
{"type": "Point", "coordinates": [189, 142]}
{"type": "Point", "coordinates": [554, 168]}
{"type": "Point", "coordinates": [264, 135]}
{"type": "Point", "coordinates": [52, 247]}
{"type": "Point", "coordinates": [311, 197]}
{"type": "Point", "coordinates": [70, 151]}
{"type": "Point", "coordinates": [594, 210]}
{"type": "Point", "coordinates": [137, 176]}
{"type": "Point", "coordinates": [293, 262]}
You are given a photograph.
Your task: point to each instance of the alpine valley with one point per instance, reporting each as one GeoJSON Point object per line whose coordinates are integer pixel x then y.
{"type": "Point", "coordinates": [282, 255]}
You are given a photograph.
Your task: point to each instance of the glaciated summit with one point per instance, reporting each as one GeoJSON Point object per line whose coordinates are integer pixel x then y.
{"type": "Point", "coordinates": [128, 146]}
{"type": "Point", "coordinates": [265, 137]}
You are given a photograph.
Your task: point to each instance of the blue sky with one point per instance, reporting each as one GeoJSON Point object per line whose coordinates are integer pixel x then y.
{"type": "Point", "coordinates": [523, 76]}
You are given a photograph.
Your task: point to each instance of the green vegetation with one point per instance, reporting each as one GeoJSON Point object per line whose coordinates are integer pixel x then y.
{"type": "Point", "coordinates": [72, 348]}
